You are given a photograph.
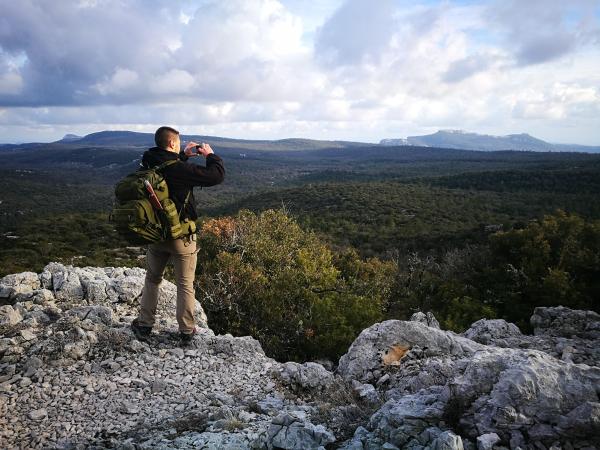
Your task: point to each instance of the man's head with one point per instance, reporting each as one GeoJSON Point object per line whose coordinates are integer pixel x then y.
{"type": "Point", "coordinates": [167, 138]}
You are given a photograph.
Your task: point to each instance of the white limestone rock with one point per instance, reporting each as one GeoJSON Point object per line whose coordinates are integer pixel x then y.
{"type": "Point", "coordinates": [38, 414]}
{"type": "Point", "coordinates": [566, 322]}
{"type": "Point", "coordinates": [523, 396]}
{"type": "Point", "coordinates": [18, 283]}
{"type": "Point", "coordinates": [447, 441]}
{"type": "Point", "coordinates": [9, 316]}
{"type": "Point", "coordinates": [291, 431]}
{"type": "Point", "coordinates": [31, 366]}
{"type": "Point", "coordinates": [117, 288]}
{"type": "Point", "coordinates": [96, 314]}
{"type": "Point", "coordinates": [367, 392]}
{"type": "Point", "coordinates": [491, 331]}
{"type": "Point", "coordinates": [27, 334]}
{"type": "Point", "coordinates": [42, 296]}
{"type": "Point", "coordinates": [363, 361]}
{"type": "Point", "coordinates": [307, 376]}
{"type": "Point", "coordinates": [487, 441]}
{"type": "Point", "coordinates": [426, 318]}
{"type": "Point", "coordinates": [73, 376]}
{"type": "Point", "coordinates": [576, 348]}
{"type": "Point", "coordinates": [582, 421]}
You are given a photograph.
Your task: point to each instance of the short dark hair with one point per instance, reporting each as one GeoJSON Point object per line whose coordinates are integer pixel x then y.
{"type": "Point", "coordinates": [162, 136]}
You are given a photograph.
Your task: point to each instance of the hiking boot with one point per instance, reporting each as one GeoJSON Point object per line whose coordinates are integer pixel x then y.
{"type": "Point", "coordinates": [141, 332]}
{"type": "Point", "coordinates": [186, 338]}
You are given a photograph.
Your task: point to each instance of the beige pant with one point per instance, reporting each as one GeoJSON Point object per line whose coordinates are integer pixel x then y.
{"type": "Point", "coordinates": [183, 254]}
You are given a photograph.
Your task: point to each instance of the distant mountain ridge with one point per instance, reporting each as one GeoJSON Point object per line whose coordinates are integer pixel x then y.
{"type": "Point", "coordinates": [137, 139]}
{"type": "Point", "coordinates": [71, 137]}
{"type": "Point", "coordinates": [443, 139]}
{"type": "Point", "coordinates": [458, 139]}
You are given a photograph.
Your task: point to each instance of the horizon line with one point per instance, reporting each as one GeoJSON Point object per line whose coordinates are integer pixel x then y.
{"type": "Point", "coordinates": [299, 138]}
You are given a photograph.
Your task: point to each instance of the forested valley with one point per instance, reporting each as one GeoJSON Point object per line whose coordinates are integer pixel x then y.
{"type": "Point", "coordinates": [303, 246]}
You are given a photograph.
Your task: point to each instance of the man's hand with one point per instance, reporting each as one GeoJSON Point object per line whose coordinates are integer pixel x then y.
{"type": "Point", "coordinates": [200, 149]}
{"type": "Point", "coordinates": [205, 150]}
{"type": "Point", "coordinates": [190, 149]}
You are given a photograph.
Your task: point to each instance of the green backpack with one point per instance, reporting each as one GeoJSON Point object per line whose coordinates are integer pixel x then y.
{"type": "Point", "coordinates": [137, 219]}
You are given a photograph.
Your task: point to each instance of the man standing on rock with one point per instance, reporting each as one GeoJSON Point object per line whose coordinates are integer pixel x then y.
{"type": "Point", "coordinates": [181, 178]}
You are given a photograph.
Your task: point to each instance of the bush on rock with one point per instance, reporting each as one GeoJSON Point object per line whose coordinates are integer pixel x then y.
{"type": "Point", "coordinates": [263, 275]}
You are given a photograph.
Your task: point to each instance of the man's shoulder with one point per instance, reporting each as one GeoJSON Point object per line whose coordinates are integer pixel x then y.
{"type": "Point", "coordinates": [155, 157]}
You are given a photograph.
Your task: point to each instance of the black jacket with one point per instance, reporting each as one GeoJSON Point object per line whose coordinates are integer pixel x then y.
{"type": "Point", "coordinates": [183, 176]}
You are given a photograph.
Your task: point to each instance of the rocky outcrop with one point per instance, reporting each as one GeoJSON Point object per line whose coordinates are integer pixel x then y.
{"type": "Point", "coordinates": [363, 362]}
{"type": "Point", "coordinates": [512, 395]}
{"type": "Point", "coordinates": [566, 334]}
{"type": "Point", "coordinates": [494, 332]}
{"type": "Point", "coordinates": [19, 286]}
{"type": "Point", "coordinates": [118, 288]}
{"type": "Point", "coordinates": [565, 322]}
{"type": "Point", "coordinates": [309, 376]}
{"type": "Point", "coordinates": [427, 318]}
{"type": "Point", "coordinates": [73, 375]}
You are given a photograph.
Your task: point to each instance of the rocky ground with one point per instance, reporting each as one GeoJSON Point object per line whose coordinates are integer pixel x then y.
{"type": "Point", "coordinates": [73, 375]}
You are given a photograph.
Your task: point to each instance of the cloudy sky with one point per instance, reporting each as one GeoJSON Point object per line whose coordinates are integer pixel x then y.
{"type": "Point", "coordinates": [329, 69]}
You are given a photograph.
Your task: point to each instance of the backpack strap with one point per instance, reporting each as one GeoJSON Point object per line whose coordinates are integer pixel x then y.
{"type": "Point", "coordinates": [166, 164]}
{"type": "Point", "coordinates": [185, 202]}
{"type": "Point", "coordinates": [187, 197]}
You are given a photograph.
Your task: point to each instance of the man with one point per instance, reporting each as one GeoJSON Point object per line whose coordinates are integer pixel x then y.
{"type": "Point", "coordinates": [181, 178]}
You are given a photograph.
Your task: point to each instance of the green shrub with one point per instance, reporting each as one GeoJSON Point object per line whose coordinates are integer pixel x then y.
{"type": "Point", "coordinates": [554, 261]}
{"type": "Point", "coordinates": [264, 276]}
{"type": "Point", "coordinates": [549, 262]}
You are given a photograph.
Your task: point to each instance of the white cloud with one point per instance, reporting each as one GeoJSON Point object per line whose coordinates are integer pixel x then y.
{"type": "Point", "coordinates": [121, 80]}
{"type": "Point", "coordinates": [371, 69]}
{"type": "Point", "coordinates": [538, 31]}
{"type": "Point", "coordinates": [356, 32]}
{"type": "Point", "coordinates": [175, 81]}
{"type": "Point", "coordinates": [559, 101]}
{"type": "Point", "coordinates": [247, 50]}
{"type": "Point", "coordinates": [11, 83]}
{"type": "Point", "coordinates": [223, 34]}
